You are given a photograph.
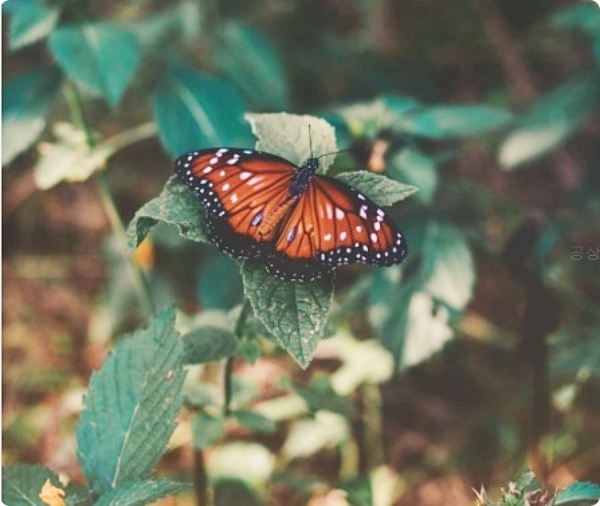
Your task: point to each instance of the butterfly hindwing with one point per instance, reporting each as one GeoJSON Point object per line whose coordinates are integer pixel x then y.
{"type": "Point", "coordinates": [334, 224]}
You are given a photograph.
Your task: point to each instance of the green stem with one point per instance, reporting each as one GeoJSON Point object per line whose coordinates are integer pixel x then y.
{"type": "Point", "coordinates": [228, 379]}
{"type": "Point", "coordinates": [78, 114]}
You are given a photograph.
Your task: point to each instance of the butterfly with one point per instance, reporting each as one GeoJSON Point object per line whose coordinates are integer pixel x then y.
{"type": "Point", "coordinates": [302, 223]}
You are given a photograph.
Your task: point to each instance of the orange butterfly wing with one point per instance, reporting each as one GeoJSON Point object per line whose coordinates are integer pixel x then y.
{"type": "Point", "coordinates": [239, 189]}
{"type": "Point", "coordinates": [334, 224]}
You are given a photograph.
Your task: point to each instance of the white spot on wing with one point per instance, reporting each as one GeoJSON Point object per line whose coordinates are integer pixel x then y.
{"type": "Point", "coordinates": [245, 175]}
{"type": "Point", "coordinates": [339, 214]}
{"type": "Point", "coordinates": [234, 198]}
{"type": "Point", "coordinates": [343, 235]}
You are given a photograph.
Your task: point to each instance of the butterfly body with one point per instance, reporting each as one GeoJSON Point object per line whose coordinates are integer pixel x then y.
{"type": "Point", "coordinates": [304, 224]}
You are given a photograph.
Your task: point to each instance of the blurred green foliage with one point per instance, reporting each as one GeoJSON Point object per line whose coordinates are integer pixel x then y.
{"type": "Point", "coordinates": [423, 95]}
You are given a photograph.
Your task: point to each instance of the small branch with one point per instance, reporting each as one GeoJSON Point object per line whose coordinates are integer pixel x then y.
{"type": "Point", "coordinates": [200, 479]}
{"type": "Point", "coordinates": [110, 207]}
{"type": "Point", "coordinates": [228, 374]}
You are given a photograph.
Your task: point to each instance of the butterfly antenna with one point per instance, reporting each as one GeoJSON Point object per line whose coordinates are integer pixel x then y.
{"type": "Point", "coordinates": [310, 141]}
{"type": "Point", "coordinates": [336, 152]}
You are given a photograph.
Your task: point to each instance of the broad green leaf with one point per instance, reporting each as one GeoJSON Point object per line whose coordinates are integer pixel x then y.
{"type": "Point", "coordinates": [551, 120]}
{"type": "Point", "coordinates": [207, 344]}
{"type": "Point", "coordinates": [576, 493]}
{"type": "Point", "coordinates": [584, 16]}
{"type": "Point", "coordinates": [175, 205]}
{"type": "Point", "coordinates": [140, 492]}
{"type": "Point", "coordinates": [291, 136]}
{"type": "Point", "coordinates": [173, 25]}
{"type": "Point", "coordinates": [30, 21]}
{"type": "Point", "coordinates": [196, 111]}
{"type": "Point", "coordinates": [382, 190]}
{"type": "Point", "coordinates": [255, 421]}
{"type": "Point", "coordinates": [22, 484]}
{"type": "Point", "coordinates": [294, 313]}
{"type": "Point", "coordinates": [319, 395]}
{"type": "Point", "coordinates": [446, 122]}
{"type": "Point", "coordinates": [207, 430]}
{"type": "Point", "coordinates": [250, 61]}
{"type": "Point", "coordinates": [99, 56]}
{"type": "Point", "coordinates": [413, 314]}
{"type": "Point", "coordinates": [26, 101]}
{"type": "Point", "coordinates": [69, 158]}
{"type": "Point", "coordinates": [413, 167]}
{"type": "Point", "coordinates": [131, 406]}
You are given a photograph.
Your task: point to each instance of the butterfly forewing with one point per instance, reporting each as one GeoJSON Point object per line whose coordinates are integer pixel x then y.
{"type": "Point", "coordinates": [239, 188]}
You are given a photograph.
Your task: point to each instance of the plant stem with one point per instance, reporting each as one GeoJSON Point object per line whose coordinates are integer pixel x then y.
{"type": "Point", "coordinates": [78, 115]}
{"type": "Point", "coordinates": [200, 479]}
{"type": "Point", "coordinates": [228, 379]}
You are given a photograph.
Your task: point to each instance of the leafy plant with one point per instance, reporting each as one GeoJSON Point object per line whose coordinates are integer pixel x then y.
{"type": "Point", "coordinates": [101, 97]}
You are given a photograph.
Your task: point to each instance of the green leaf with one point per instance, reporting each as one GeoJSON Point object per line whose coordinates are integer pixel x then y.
{"type": "Point", "coordinates": [575, 493]}
{"type": "Point", "coordinates": [175, 205]}
{"type": "Point", "coordinates": [70, 158]}
{"type": "Point", "coordinates": [230, 491]}
{"type": "Point", "coordinates": [584, 16]}
{"type": "Point", "coordinates": [249, 349]}
{"type": "Point", "coordinates": [207, 430]}
{"type": "Point", "coordinates": [413, 315]}
{"type": "Point", "coordinates": [22, 483]}
{"type": "Point", "coordinates": [26, 101]}
{"type": "Point", "coordinates": [255, 421]}
{"type": "Point", "coordinates": [207, 344]}
{"type": "Point", "coordinates": [413, 167]}
{"type": "Point", "coordinates": [250, 61]}
{"type": "Point", "coordinates": [140, 492]}
{"type": "Point", "coordinates": [30, 21]}
{"type": "Point", "coordinates": [287, 135]}
{"type": "Point", "coordinates": [99, 56]}
{"type": "Point", "coordinates": [294, 313]}
{"type": "Point", "coordinates": [319, 395]}
{"type": "Point", "coordinates": [78, 494]}
{"type": "Point", "coordinates": [444, 122]}
{"type": "Point", "coordinates": [131, 406]}
{"type": "Point", "coordinates": [550, 121]}
{"type": "Point", "coordinates": [195, 111]}
{"type": "Point", "coordinates": [382, 190]}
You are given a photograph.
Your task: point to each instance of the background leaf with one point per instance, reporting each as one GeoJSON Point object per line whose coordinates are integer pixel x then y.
{"type": "Point", "coordinates": [413, 315]}
{"type": "Point", "coordinates": [251, 62]}
{"type": "Point", "coordinates": [26, 101]}
{"type": "Point", "coordinates": [287, 135]}
{"type": "Point", "coordinates": [196, 111]}
{"type": "Point", "coordinates": [446, 122]}
{"type": "Point", "coordinates": [30, 21]}
{"type": "Point", "coordinates": [255, 421]}
{"type": "Point", "coordinates": [99, 56]}
{"type": "Point", "coordinates": [412, 167]}
{"type": "Point", "coordinates": [175, 205]}
{"type": "Point", "coordinates": [131, 406]}
{"type": "Point", "coordinates": [551, 120]}
{"type": "Point", "coordinates": [207, 344]}
{"type": "Point", "coordinates": [575, 493]}
{"type": "Point", "coordinates": [140, 492]}
{"type": "Point", "coordinates": [294, 313]}
{"type": "Point", "coordinates": [207, 430]}
{"type": "Point", "coordinates": [22, 483]}
{"type": "Point", "coordinates": [382, 190]}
